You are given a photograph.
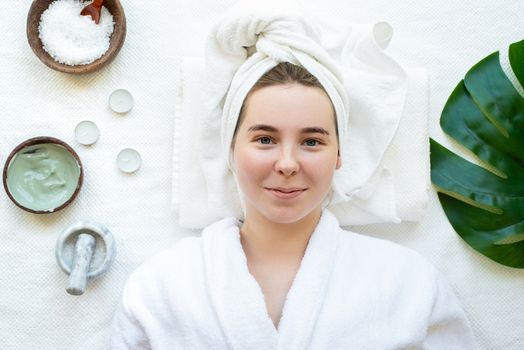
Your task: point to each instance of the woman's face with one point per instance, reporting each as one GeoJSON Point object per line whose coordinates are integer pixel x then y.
{"type": "Point", "coordinates": [285, 152]}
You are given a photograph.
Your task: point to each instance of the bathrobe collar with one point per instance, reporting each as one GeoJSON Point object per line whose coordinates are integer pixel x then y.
{"type": "Point", "coordinates": [238, 300]}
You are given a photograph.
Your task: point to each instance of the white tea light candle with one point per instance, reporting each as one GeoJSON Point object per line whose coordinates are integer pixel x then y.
{"type": "Point", "coordinates": [86, 132]}
{"type": "Point", "coordinates": [121, 101]}
{"type": "Point", "coordinates": [128, 160]}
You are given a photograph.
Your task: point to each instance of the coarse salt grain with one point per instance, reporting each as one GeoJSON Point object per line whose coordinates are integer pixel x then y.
{"type": "Point", "coordinates": [71, 38]}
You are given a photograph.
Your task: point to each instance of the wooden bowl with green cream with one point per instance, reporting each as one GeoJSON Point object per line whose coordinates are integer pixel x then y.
{"type": "Point", "coordinates": [42, 175]}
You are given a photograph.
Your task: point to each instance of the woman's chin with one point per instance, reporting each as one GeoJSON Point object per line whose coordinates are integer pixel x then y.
{"type": "Point", "coordinates": [288, 215]}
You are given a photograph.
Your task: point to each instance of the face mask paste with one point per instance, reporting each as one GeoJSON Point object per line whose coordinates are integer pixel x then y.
{"type": "Point", "coordinates": [43, 177]}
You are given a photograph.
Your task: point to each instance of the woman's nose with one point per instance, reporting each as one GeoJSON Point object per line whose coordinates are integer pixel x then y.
{"type": "Point", "coordinates": [287, 163]}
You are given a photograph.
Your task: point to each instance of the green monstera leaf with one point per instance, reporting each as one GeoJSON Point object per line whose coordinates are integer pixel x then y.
{"type": "Point", "coordinates": [485, 204]}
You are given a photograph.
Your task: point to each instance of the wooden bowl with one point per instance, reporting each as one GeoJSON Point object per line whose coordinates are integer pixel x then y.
{"type": "Point", "coordinates": [35, 141]}
{"type": "Point", "coordinates": [115, 43]}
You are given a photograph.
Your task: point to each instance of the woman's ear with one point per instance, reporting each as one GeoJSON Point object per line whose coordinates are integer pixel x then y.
{"type": "Point", "coordinates": [339, 161]}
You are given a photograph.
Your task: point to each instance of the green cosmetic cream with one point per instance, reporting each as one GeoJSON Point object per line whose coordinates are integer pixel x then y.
{"type": "Point", "coordinates": [42, 177]}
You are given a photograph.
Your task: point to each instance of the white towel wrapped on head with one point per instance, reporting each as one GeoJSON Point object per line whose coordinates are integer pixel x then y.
{"type": "Point", "coordinates": [368, 90]}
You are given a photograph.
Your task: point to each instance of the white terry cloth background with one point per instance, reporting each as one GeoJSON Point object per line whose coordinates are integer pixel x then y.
{"type": "Point", "coordinates": [385, 125]}
{"type": "Point", "coordinates": [447, 37]}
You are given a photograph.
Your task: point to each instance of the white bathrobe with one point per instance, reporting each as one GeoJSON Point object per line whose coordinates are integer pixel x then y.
{"type": "Point", "coordinates": [350, 292]}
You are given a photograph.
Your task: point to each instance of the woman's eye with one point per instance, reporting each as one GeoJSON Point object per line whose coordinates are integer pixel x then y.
{"type": "Point", "coordinates": [264, 140]}
{"type": "Point", "coordinates": [311, 142]}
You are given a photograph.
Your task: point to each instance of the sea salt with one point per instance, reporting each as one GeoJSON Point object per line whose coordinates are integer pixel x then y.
{"type": "Point", "coordinates": [71, 38]}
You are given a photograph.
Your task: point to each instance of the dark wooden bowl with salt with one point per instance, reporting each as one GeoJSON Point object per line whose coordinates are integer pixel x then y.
{"type": "Point", "coordinates": [115, 43]}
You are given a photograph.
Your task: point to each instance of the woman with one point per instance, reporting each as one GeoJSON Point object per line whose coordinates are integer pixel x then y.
{"type": "Point", "coordinates": [287, 277]}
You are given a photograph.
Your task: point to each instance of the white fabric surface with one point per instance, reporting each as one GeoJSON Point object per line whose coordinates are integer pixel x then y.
{"type": "Point", "coordinates": [200, 294]}
{"type": "Point", "coordinates": [367, 87]}
{"type": "Point", "coordinates": [447, 36]}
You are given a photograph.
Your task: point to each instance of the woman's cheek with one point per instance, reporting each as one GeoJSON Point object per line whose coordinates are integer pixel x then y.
{"type": "Point", "coordinates": [261, 157]}
{"type": "Point", "coordinates": [319, 165]}
{"type": "Point", "coordinates": [252, 160]}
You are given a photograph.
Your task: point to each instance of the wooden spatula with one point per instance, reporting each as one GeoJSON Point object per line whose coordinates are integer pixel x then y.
{"type": "Point", "coordinates": [93, 10]}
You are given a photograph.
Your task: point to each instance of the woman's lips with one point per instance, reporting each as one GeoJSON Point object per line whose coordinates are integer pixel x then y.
{"type": "Point", "coordinates": [288, 194]}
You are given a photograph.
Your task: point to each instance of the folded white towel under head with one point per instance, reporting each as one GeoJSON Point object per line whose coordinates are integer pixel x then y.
{"type": "Point", "coordinates": [383, 129]}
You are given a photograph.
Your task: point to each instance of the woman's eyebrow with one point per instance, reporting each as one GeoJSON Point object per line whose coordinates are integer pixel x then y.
{"type": "Point", "coordinates": [269, 128]}
{"type": "Point", "coordinates": [262, 127]}
{"type": "Point", "coordinates": [315, 130]}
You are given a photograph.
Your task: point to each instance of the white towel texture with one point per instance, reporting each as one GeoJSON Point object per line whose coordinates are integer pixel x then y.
{"type": "Point", "coordinates": [381, 111]}
{"type": "Point", "coordinates": [199, 294]}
